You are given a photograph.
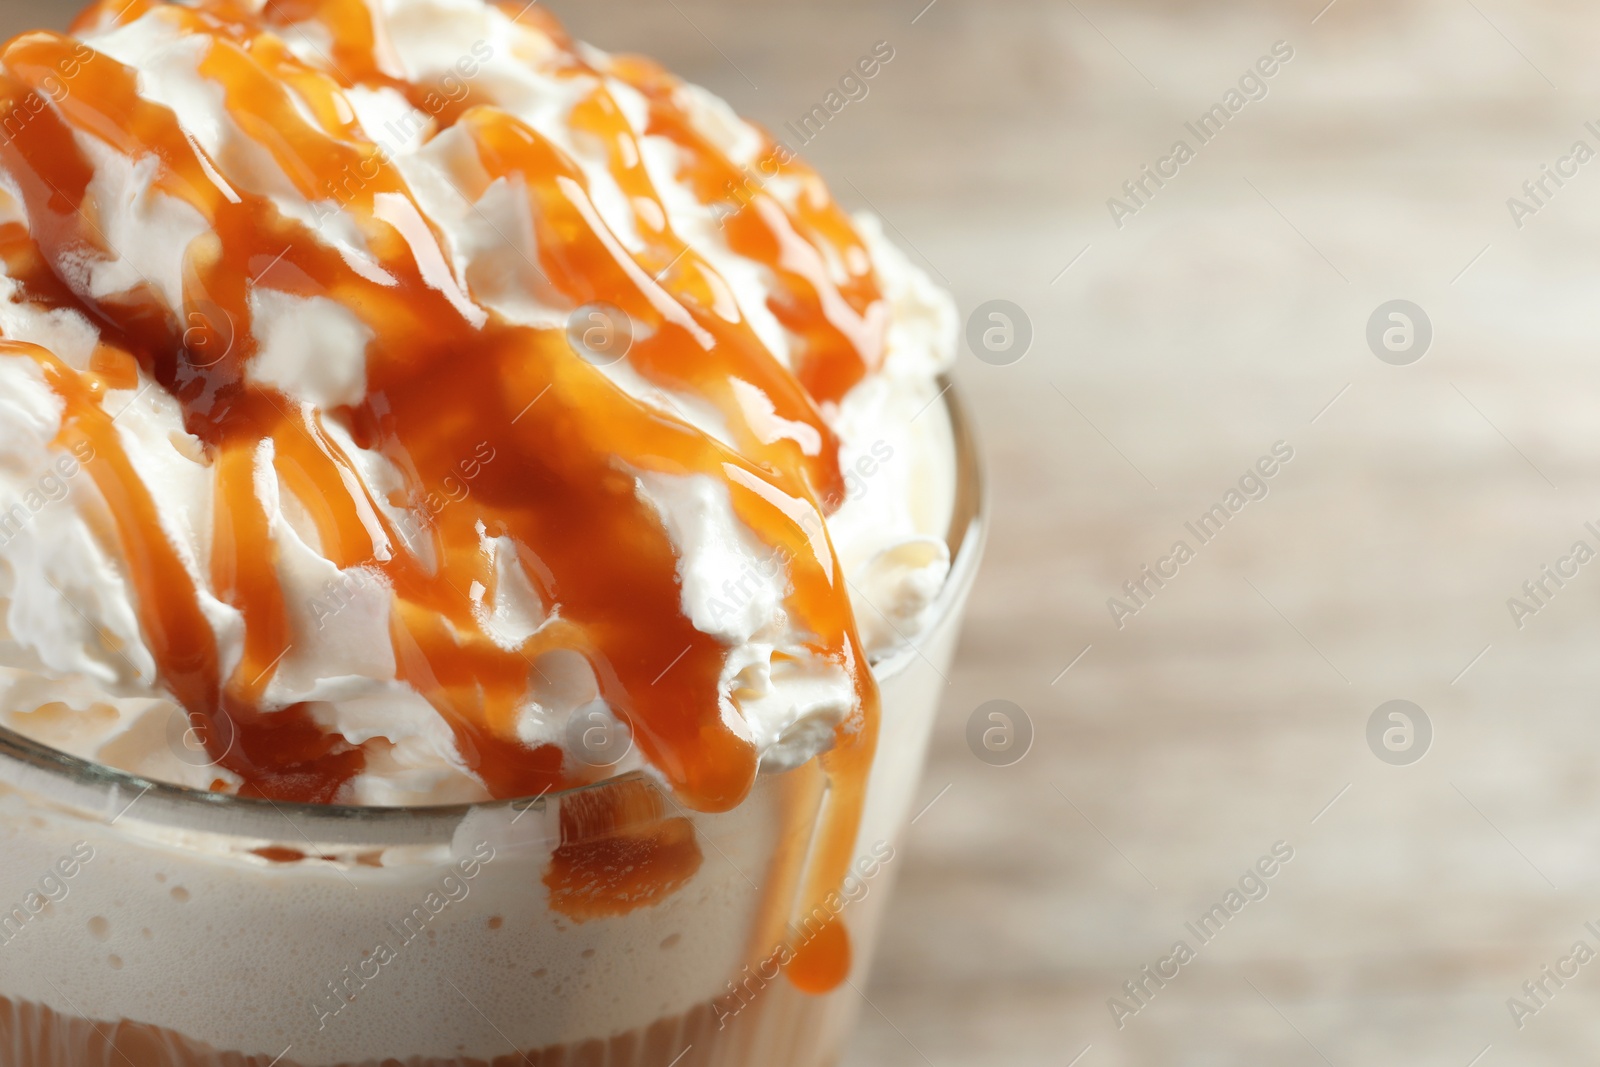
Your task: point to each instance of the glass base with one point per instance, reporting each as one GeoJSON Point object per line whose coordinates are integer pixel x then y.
{"type": "Point", "coordinates": [779, 1027]}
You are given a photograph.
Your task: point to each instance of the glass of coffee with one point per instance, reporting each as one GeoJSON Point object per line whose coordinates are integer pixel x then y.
{"type": "Point", "coordinates": [149, 925]}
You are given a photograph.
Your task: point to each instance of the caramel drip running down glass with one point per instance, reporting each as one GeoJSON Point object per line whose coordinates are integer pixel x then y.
{"type": "Point", "coordinates": [710, 895]}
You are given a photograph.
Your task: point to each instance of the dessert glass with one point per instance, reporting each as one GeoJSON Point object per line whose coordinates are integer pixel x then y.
{"type": "Point", "coordinates": [148, 925]}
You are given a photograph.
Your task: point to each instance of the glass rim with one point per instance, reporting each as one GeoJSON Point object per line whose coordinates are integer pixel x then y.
{"type": "Point", "coordinates": [32, 766]}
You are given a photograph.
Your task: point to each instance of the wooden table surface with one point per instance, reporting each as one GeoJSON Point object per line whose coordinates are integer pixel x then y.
{"type": "Point", "coordinates": [1227, 314]}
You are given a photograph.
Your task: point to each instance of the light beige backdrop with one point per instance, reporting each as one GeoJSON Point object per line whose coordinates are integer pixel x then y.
{"type": "Point", "coordinates": [1227, 314]}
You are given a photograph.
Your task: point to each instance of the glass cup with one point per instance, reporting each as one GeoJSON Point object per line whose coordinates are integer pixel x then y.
{"type": "Point", "coordinates": [146, 925]}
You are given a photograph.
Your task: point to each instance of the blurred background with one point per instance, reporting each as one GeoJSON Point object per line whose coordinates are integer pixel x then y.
{"type": "Point", "coordinates": [1440, 859]}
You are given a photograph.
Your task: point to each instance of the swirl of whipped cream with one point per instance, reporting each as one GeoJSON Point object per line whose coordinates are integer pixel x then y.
{"type": "Point", "coordinates": [299, 451]}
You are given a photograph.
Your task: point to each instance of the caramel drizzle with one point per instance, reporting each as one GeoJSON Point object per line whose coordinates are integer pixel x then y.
{"type": "Point", "coordinates": [446, 381]}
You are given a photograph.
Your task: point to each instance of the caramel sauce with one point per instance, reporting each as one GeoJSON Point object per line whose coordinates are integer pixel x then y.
{"type": "Point", "coordinates": [280, 854]}
{"type": "Point", "coordinates": [619, 850]}
{"type": "Point", "coordinates": [823, 962]}
{"type": "Point", "coordinates": [552, 443]}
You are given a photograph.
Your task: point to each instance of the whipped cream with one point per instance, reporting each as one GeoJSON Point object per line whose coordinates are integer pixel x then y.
{"type": "Point", "coordinates": [77, 670]}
